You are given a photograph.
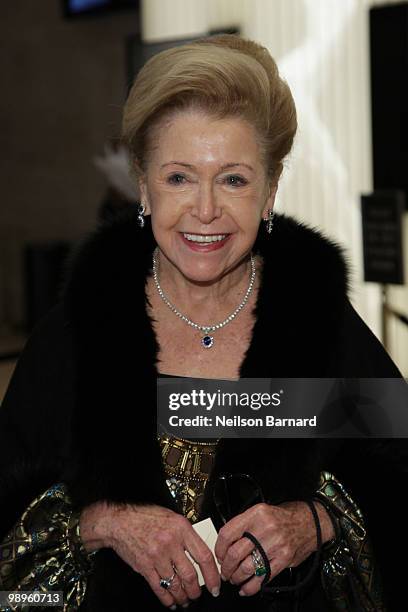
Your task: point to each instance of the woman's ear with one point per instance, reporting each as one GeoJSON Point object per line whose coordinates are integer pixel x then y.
{"type": "Point", "coordinates": [270, 200]}
{"type": "Point", "coordinates": [144, 199]}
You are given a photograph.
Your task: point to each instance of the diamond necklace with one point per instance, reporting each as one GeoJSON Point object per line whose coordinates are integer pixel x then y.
{"type": "Point", "coordinates": [207, 341]}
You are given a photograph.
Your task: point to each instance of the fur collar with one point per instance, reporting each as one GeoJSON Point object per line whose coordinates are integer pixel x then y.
{"type": "Point", "coordinates": [299, 312]}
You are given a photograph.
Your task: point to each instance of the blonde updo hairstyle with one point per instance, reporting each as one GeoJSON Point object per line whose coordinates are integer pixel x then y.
{"type": "Point", "coordinates": [224, 76]}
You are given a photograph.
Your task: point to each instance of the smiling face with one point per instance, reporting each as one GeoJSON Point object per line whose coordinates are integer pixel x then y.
{"type": "Point", "coordinates": [205, 187]}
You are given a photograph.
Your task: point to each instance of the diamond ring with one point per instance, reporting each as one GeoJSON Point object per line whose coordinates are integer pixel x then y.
{"type": "Point", "coordinates": [166, 583]}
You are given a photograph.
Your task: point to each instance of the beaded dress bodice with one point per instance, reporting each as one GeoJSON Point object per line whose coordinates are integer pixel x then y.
{"type": "Point", "coordinates": [188, 466]}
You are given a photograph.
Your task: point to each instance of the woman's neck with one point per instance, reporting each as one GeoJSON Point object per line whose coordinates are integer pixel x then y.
{"type": "Point", "coordinates": [220, 296]}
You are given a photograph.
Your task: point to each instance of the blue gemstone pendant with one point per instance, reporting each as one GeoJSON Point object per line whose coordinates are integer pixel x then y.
{"type": "Point", "coordinates": [207, 341]}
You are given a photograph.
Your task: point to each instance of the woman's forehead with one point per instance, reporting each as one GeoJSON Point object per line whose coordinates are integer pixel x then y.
{"type": "Point", "coordinates": [202, 139]}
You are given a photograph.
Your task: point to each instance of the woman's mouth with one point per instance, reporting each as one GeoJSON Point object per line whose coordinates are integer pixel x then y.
{"type": "Point", "coordinates": [204, 242]}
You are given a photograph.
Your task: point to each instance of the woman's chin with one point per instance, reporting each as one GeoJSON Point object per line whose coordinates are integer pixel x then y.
{"type": "Point", "coordinates": [203, 278]}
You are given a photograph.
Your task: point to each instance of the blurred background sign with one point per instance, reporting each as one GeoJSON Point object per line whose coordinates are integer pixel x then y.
{"type": "Point", "coordinates": [382, 215]}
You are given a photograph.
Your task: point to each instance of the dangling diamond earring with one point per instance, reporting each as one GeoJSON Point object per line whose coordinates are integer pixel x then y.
{"type": "Point", "coordinates": [140, 213]}
{"type": "Point", "coordinates": [269, 220]}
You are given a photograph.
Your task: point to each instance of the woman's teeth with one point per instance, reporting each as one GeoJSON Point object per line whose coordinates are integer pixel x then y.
{"type": "Point", "coordinates": [201, 238]}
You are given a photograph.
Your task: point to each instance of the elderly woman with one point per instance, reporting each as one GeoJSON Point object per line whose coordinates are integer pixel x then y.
{"type": "Point", "coordinates": [201, 280]}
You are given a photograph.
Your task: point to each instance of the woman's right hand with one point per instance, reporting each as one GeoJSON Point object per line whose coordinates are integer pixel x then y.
{"type": "Point", "coordinates": [151, 539]}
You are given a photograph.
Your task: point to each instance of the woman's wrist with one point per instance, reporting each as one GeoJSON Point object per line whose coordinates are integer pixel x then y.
{"type": "Point", "coordinates": [326, 523]}
{"type": "Point", "coordinates": [306, 520]}
{"type": "Point", "coordinates": [95, 527]}
{"type": "Point", "coordinates": [331, 545]}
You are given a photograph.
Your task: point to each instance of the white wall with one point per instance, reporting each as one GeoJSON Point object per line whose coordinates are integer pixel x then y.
{"type": "Point", "coordinates": [321, 47]}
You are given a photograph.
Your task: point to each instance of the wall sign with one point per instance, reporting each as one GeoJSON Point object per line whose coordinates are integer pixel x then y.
{"type": "Point", "coordinates": [382, 237]}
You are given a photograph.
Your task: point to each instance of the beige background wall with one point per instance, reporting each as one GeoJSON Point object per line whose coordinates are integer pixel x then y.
{"type": "Point", "coordinates": [62, 88]}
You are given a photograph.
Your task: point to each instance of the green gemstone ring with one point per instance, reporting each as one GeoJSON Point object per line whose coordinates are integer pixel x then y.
{"type": "Point", "coordinates": [260, 569]}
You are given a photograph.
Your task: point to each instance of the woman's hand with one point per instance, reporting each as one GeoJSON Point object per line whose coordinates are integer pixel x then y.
{"type": "Point", "coordinates": [152, 539]}
{"type": "Point", "coordinates": [286, 532]}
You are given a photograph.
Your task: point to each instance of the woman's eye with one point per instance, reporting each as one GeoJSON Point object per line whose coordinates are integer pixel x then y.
{"type": "Point", "coordinates": [235, 180]}
{"type": "Point", "coordinates": [176, 179]}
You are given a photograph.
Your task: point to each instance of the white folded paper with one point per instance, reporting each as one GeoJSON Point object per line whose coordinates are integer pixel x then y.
{"type": "Point", "coordinates": [208, 533]}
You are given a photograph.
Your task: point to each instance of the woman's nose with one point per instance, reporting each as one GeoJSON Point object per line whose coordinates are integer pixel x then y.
{"type": "Point", "coordinates": [206, 207]}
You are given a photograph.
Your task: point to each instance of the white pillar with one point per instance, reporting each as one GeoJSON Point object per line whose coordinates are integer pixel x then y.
{"type": "Point", "coordinates": [173, 19]}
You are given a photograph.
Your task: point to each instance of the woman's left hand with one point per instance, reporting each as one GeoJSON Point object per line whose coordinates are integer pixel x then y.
{"type": "Point", "coordinates": [286, 532]}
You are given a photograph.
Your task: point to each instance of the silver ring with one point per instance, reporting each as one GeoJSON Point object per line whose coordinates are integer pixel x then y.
{"type": "Point", "coordinates": [166, 583]}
